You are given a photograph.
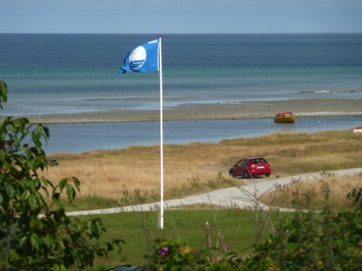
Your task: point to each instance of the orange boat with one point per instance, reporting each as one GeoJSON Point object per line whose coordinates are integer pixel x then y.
{"type": "Point", "coordinates": [284, 117]}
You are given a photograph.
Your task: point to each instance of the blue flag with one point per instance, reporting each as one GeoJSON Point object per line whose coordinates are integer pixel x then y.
{"type": "Point", "coordinates": [143, 58]}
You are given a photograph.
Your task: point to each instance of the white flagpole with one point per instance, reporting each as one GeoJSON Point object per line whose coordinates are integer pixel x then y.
{"type": "Point", "coordinates": [161, 133]}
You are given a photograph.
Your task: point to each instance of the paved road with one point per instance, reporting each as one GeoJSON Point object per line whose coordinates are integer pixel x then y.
{"type": "Point", "coordinates": [242, 197]}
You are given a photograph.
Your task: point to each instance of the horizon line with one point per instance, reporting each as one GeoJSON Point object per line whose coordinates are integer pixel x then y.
{"type": "Point", "coordinates": [182, 33]}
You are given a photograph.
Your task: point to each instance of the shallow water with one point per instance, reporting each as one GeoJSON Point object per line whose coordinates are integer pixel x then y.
{"type": "Point", "coordinates": [76, 138]}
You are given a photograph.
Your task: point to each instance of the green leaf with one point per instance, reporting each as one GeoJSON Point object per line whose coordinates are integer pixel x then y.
{"type": "Point", "coordinates": [3, 93]}
{"type": "Point", "coordinates": [3, 155]}
{"type": "Point", "coordinates": [9, 190]}
{"type": "Point", "coordinates": [32, 202]}
{"type": "Point", "coordinates": [70, 192]}
{"type": "Point", "coordinates": [76, 182]}
{"type": "Point", "coordinates": [63, 183]}
{"type": "Point", "coordinates": [35, 222]}
{"type": "Point", "coordinates": [34, 241]}
{"type": "Point", "coordinates": [23, 241]}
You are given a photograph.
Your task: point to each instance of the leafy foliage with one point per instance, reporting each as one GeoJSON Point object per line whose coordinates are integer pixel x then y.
{"type": "Point", "coordinates": [313, 241]}
{"type": "Point", "coordinates": [35, 232]}
{"type": "Point", "coordinates": [177, 256]}
{"type": "Point", "coordinates": [304, 241]}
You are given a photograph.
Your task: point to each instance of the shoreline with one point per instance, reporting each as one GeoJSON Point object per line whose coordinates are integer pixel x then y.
{"type": "Point", "coordinates": [216, 111]}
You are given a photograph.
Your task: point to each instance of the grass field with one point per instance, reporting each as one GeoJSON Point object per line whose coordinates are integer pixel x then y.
{"type": "Point", "coordinates": [130, 176]}
{"type": "Point", "coordinates": [230, 231]}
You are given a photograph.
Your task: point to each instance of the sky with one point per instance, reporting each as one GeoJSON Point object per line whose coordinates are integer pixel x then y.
{"type": "Point", "coordinates": [181, 16]}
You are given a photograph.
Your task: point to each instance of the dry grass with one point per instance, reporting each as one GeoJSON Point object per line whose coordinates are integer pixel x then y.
{"type": "Point", "coordinates": [329, 190]}
{"type": "Point", "coordinates": [199, 167]}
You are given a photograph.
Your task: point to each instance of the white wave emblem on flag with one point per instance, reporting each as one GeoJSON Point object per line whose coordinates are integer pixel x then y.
{"type": "Point", "coordinates": [143, 58]}
{"type": "Point", "coordinates": [137, 58]}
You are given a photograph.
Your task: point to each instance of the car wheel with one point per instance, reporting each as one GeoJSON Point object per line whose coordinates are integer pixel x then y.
{"type": "Point", "coordinates": [246, 175]}
{"type": "Point", "coordinates": [267, 175]}
{"type": "Point", "coordinates": [231, 174]}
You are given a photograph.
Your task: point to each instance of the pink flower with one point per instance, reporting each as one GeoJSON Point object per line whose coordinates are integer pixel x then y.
{"type": "Point", "coordinates": [359, 244]}
{"type": "Point", "coordinates": [164, 251]}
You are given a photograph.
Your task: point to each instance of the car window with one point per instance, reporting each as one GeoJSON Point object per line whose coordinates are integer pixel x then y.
{"type": "Point", "coordinates": [258, 161]}
{"type": "Point", "coordinates": [262, 160]}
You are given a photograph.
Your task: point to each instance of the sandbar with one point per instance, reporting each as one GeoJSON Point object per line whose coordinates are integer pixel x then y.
{"type": "Point", "coordinates": [215, 111]}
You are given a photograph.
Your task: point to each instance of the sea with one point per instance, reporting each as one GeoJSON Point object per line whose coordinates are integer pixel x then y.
{"type": "Point", "coordinates": [75, 73]}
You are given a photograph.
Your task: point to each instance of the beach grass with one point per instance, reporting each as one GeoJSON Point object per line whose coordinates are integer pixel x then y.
{"type": "Point", "coordinates": [130, 176]}
{"type": "Point", "coordinates": [314, 194]}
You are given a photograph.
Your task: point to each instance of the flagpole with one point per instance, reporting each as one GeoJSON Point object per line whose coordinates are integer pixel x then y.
{"type": "Point", "coordinates": [161, 134]}
{"type": "Point", "coordinates": [145, 58]}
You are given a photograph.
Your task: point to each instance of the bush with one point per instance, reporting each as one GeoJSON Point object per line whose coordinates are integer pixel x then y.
{"type": "Point", "coordinates": [35, 232]}
{"type": "Point", "coordinates": [178, 256]}
{"type": "Point", "coordinates": [303, 241]}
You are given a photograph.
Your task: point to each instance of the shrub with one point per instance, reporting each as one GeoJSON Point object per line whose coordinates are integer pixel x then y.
{"type": "Point", "coordinates": [305, 240]}
{"type": "Point", "coordinates": [178, 256]}
{"type": "Point", "coordinates": [35, 232]}
{"type": "Point", "coordinates": [312, 241]}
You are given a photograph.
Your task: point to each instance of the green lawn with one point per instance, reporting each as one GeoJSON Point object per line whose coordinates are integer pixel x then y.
{"type": "Point", "coordinates": [234, 229]}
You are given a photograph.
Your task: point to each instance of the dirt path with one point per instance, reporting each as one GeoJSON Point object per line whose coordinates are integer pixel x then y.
{"type": "Point", "coordinates": [242, 197]}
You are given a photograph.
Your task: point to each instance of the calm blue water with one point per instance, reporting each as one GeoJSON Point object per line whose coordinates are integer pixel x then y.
{"type": "Point", "coordinates": [68, 73]}
{"type": "Point", "coordinates": [77, 138]}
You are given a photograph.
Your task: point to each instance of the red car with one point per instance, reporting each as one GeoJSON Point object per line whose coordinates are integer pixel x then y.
{"type": "Point", "coordinates": [250, 167]}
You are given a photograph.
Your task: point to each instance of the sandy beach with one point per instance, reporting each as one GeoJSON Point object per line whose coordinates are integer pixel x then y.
{"type": "Point", "coordinates": [217, 111]}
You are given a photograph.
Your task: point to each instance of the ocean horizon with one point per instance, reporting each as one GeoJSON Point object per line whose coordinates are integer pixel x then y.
{"type": "Point", "coordinates": [76, 73]}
